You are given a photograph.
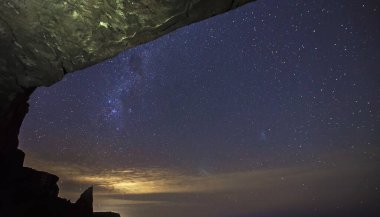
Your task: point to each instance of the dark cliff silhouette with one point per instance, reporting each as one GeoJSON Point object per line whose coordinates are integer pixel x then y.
{"type": "Point", "coordinates": [25, 192]}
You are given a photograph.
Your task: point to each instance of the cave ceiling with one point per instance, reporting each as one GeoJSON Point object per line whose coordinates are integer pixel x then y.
{"type": "Point", "coordinates": [42, 40]}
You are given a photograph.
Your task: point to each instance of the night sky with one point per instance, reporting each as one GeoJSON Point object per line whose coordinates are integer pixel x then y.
{"type": "Point", "coordinates": [270, 110]}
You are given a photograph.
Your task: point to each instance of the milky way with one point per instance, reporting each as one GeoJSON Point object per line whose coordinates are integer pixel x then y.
{"type": "Point", "coordinates": [274, 104]}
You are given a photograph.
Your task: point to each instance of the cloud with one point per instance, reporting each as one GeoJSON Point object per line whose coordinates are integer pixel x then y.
{"type": "Point", "coordinates": [350, 182]}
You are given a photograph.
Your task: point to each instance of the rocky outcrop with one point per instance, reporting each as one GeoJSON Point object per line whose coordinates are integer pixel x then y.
{"type": "Point", "coordinates": [106, 214]}
{"type": "Point", "coordinates": [41, 41]}
{"type": "Point", "coordinates": [26, 192]}
{"type": "Point", "coordinates": [10, 124]}
{"type": "Point", "coordinates": [83, 206]}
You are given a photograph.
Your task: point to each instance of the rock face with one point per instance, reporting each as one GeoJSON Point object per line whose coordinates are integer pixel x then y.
{"type": "Point", "coordinates": [41, 41]}
{"type": "Point", "coordinates": [106, 214]}
{"type": "Point", "coordinates": [26, 192]}
{"type": "Point", "coordinates": [83, 206]}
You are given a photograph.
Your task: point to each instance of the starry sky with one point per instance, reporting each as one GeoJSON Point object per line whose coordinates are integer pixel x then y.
{"type": "Point", "coordinates": [270, 110]}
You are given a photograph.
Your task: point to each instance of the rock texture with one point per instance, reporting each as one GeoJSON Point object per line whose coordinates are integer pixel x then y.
{"type": "Point", "coordinates": [41, 41]}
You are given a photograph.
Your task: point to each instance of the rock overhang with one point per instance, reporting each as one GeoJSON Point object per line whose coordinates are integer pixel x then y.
{"type": "Point", "coordinates": [41, 40]}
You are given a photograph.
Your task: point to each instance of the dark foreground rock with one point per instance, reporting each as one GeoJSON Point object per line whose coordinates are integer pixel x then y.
{"type": "Point", "coordinates": [106, 214]}
{"type": "Point", "coordinates": [25, 192]}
